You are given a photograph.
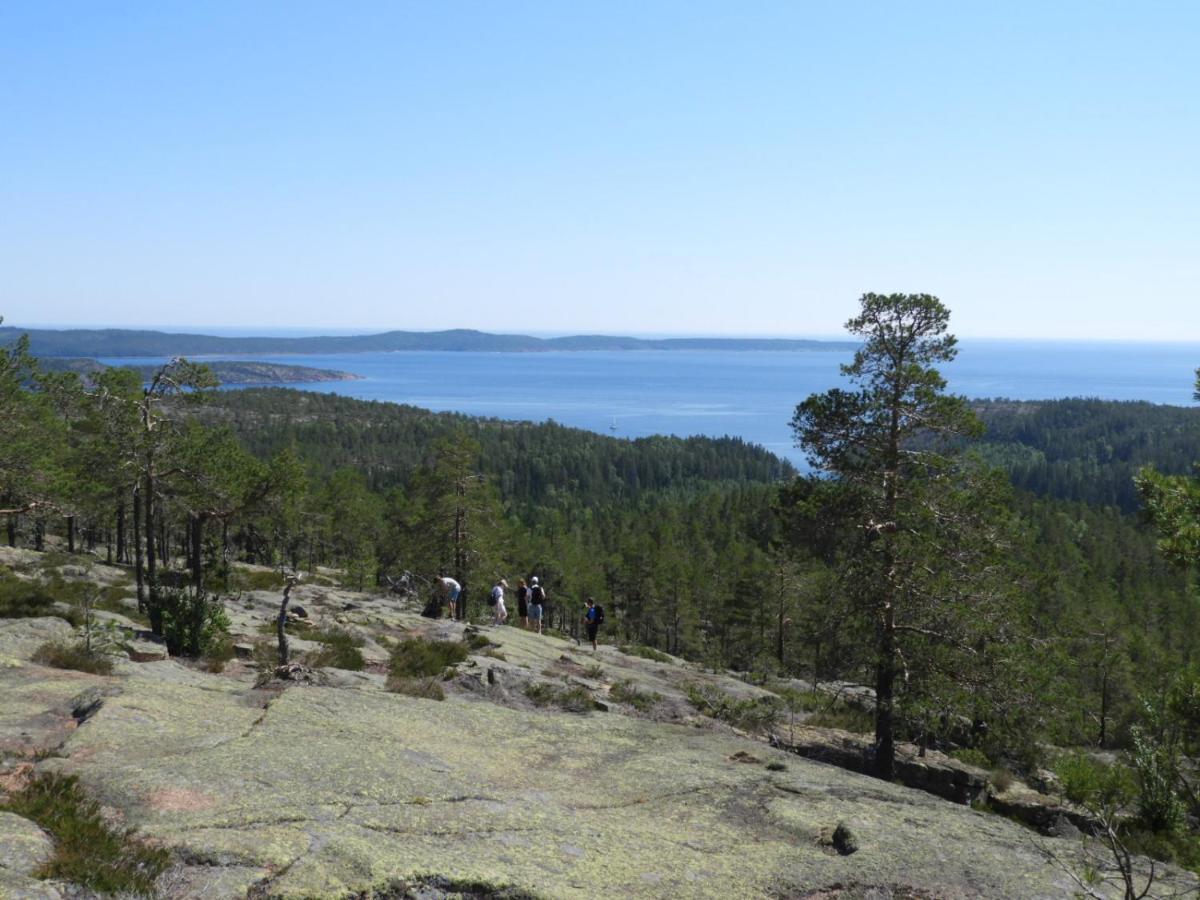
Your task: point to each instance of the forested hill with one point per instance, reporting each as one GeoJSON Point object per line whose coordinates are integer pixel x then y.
{"type": "Point", "coordinates": [1085, 449]}
{"type": "Point", "coordinates": [228, 371]}
{"type": "Point", "coordinates": [121, 342]}
{"type": "Point", "coordinates": [529, 461]}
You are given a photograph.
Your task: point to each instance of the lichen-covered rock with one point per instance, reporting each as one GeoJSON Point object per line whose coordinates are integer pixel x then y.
{"type": "Point", "coordinates": [24, 847]}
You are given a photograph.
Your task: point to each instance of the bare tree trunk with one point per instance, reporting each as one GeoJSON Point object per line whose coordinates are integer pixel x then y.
{"type": "Point", "coordinates": [154, 608]}
{"type": "Point", "coordinates": [138, 573]}
{"type": "Point", "coordinates": [281, 624]}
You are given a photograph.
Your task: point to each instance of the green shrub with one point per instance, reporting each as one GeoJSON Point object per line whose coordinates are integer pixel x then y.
{"type": "Point", "coordinates": [218, 654]}
{"type": "Point", "coordinates": [73, 655]}
{"type": "Point", "coordinates": [572, 699]}
{"type": "Point", "coordinates": [192, 621]}
{"type": "Point", "coordinates": [426, 688]}
{"type": "Point", "coordinates": [87, 850]}
{"type": "Point", "coordinates": [257, 580]}
{"type": "Point", "coordinates": [972, 757]}
{"type": "Point", "coordinates": [1001, 779]}
{"type": "Point", "coordinates": [645, 652]}
{"type": "Point", "coordinates": [25, 599]}
{"type": "Point", "coordinates": [1157, 771]}
{"type": "Point", "coordinates": [339, 650]}
{"type": "Point", "coordinates": [753, 714]}
{"type": "Point", "coordinates": [594, 672]}
{"type": "Point", "coordinates": [627, 692]}
{"type": "Point", "coordinates": [843, 718]}
{"type": "Point", "coordinates": [1086, 781]}
{"type": "Point", "coordinates": [423, 658]}
{"type": "Point", "coordinates": [776, 767]}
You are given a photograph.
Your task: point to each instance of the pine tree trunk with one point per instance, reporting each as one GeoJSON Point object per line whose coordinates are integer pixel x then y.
{"type": "Point", "coordinates": [138, 567]}
{"type": "Point", "coordinates": [197, 532]}
{"type": "Point", "coordinates": [154, 608]}
{"type": "Point", "coordinates": [12, 531]}
{"type": "Point", "coordinates": [122, 556]}
{"type": "Point", "coordinates": [71, 535]}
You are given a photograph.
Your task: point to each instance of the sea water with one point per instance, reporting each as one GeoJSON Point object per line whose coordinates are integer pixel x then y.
{"type": "Point", "coordinates": [749, 394]}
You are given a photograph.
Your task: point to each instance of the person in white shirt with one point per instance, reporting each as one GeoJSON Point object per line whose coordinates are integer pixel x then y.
{"type": "Point", "coordinates": [499, 613]}
{"type": "Point", "coordinates": [451, 589]}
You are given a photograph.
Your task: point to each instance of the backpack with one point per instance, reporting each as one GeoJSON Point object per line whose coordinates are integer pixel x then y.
{"type": "Point", "coordinates": [599, 614]}
{"type": "Point", "coordinates": [536, 595]}
{"type": "Point", "coordinates": [492, 597]}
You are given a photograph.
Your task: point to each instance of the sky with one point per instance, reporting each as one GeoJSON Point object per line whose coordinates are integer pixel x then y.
{"type": "Point", "coordinates": [615, 167]}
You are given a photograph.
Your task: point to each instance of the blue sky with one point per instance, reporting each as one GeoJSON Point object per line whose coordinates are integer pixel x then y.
{"type": "Point", "coordinates": [613, 166]}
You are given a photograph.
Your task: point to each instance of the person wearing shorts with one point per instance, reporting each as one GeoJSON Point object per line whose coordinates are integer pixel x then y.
{"type": "Point", "coordinates": [537, 607]}
{"type": "Point", "coordinates": [451, 589]}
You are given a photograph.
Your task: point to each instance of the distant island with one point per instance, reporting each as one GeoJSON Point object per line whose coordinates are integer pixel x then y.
{"type": "Point", "coordinates": [122, 342]}
{"type": "Point", "coordinates": [229, 372]}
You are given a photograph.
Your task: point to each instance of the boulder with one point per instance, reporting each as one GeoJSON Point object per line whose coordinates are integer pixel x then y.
{"type": "Point", "coordinates": [24, 847]}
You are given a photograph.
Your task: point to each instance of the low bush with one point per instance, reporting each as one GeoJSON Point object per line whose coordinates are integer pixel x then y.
{"type": "Point", "coordinates": [1001, 779]}
{"type": "Point", "coordinates": [423, 658]}
{"type": "Point", "coordinates": [645, 652]}
{"type": "Point", "coordinates": [218, 655]}
{"type": "Point", "coordinates": [751, 714]}
{"type": "Point", "coordinates": [572, 699]}
{"type": "Point", "coordinates": [339, 650]}
{"type": "Point", "coordinates": [594, 672]}
{"type": "Point", "coordinates": [21, 599]}
{"type": "Point", "coordinates": [257, 580]}
{"type": "Point", "coordinates": [426, 688]}
{"type": "Point", "coordinates": [972, 757]}
{"type": "Point", "coordinates": [1088, 782]}
{"type": "Point", "coordinates": [87, 850]}
{"type": "Point", "coordinates": [73, 655]}
{"type": "Point", "coordinates": [628, 693]}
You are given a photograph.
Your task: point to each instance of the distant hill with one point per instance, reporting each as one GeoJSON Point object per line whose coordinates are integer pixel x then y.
{"type": "Point", "coordinates": [122, 342]}
{"type": "Point", "coordinates": [227, 371]}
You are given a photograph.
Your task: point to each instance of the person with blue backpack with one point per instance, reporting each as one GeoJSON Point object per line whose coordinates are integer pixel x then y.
{"type": "Point", "coordinates": [593, 617]}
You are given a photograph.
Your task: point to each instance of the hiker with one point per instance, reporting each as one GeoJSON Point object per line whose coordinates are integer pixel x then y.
{"type": "Point", "coordinates": [594, 617]}
{"type": "Point", "coordinates": [496, 600]}
{"type": "Point", "coordinates": [537, 604]}
{"type": "Point", "coordinates": [523, 602]}
{"type": "Point", "coordinates": [451, 589]}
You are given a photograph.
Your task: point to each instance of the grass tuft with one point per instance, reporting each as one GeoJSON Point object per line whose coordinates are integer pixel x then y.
{"type": "Point", "coordinates": [644, 652]}
{"type": "Point", "coordinates": [572, 699]}
{"type": "Point", "coordinates": [339, 650]}
{"type": "Point", "coordinates": [627, 692]}
{"type": "Point", "coordinates": [87, 850]}
{"type": "Point", "coordinates": [72, 655]}
{"type": "Point", "coordinates": [423, 658]}
{"type": "Point", "coordinates": [426, 688]}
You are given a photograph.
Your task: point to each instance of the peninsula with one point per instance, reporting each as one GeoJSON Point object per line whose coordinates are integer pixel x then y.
{"type": "Point", "coordinates": [228, 372]}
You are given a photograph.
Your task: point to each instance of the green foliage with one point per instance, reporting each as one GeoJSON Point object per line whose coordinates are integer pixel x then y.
{"type": "Point", "coordinates": [1093, 784]}
{"type": "Point", "coordinates": [218, 654]}
{"type": "Point", "coordinates": [73, 655]}
{"type": "Point", "coordinates": [572, 699]}
{"type": "Point", "coordinates": [645, 652]}
{"type": "Point", "coordinates": [339, 650]}
{"type": "Point", "coordinates": [24, 599]}
{"type": "Point", "coordinates": [627, 692]}
{"type": "Point", "coordinates": [757, 714]}
{"type": "Point", "coordinates": [842, 717]}
{"type": "Point", "coordinates": [425, 688]}
{"type": "Point", "coordinates": [594, 672]}
{"type": "Point", "coordinates": [972, 757]}
{"type": "Point", "coordinates": [87, 850]}
{"type": "Point", "coordinates": [192, 620]}
{"type": "Point", "coordinates": [257, 580]}
{"type": "Point", "coordinates": [1156, 767]}
{"type": "Point", "coordinates": [422, 658]}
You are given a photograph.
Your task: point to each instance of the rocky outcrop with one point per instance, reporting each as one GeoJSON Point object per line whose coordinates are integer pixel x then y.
{"type": "Point", "coordinates": [341, 789]}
